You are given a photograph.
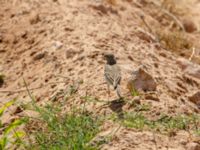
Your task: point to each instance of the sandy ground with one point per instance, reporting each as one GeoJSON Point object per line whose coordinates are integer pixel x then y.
{"type": "Point", "coordinates": [56, 43]}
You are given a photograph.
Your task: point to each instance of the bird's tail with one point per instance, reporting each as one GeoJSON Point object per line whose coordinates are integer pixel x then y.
{"type": "Point", "coordinates": [118, 91]}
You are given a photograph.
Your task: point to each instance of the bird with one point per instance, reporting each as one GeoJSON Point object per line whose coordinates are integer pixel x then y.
{"type": "Point", "coordinates": [112, 73]}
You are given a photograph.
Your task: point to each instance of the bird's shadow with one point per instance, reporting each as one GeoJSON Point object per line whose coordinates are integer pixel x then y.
{"type": "Point", "coordinates": [116, 106]}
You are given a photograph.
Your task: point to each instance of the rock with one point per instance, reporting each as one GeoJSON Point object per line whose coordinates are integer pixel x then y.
{"type": "Point", "coordinates": [189, 26]}
{"type": "Point", "coordinates": [189, 67]}
{"type": "Point", "coordinates": [136, 99]}
{"type": "Point", "coordinates": [70, 53]}
{"type": "Point", "coordinates": [195, 98]}
{"type": "Point", "coordinates": [10, 38]}
{"type": "Point", "coordinates": [130, 58]}
{"type": "Point", "coordinates": [17, 110]}
{"type": "Point", "coordinates": [68, 29]}
{"type": "Point", "coordinates": [2, 50]}
{"type": "Point", "coordinates": [57, 45]}
{"type": "Point", "coordinates": [141, 80]}
{"type": "Point", "coordinates": [24, 34]}
{"type": "Point", "coordinates": [100, 8]}
{"type": "Point", "coordinates": [34, 18]}
{"type": "Point", "coordinates": [39, 56]}
{"type": "Point", "coordinates": [152, 96]}
{"type": "Point", "coordinates": [1, 80]}
{"type": "Point", "coordinates": [1, 38]}
{"type": "Point", "coordinates": [193, 146]}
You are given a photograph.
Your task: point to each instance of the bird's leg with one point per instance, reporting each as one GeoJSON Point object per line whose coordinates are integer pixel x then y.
{"type": "Point", "coordinates": [118, 92]}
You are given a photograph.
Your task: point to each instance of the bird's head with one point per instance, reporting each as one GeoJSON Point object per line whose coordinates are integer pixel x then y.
{"type": "Point", "coordinates": [110, 58]}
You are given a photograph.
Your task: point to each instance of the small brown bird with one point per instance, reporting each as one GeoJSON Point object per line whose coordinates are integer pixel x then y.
{"type": "Point", "coordinates": [112, 73]}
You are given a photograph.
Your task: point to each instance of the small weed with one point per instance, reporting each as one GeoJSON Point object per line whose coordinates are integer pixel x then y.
{"type": "Point", "coordinates": [175, 41]}
{"type": "Point", "coordinates": [134, 92]}
{"type": "Point", "coordinates": [177, 122]}
{"type": "Point", "coordinates": [88, 98]}
{"type": "Point", "coordinates": [64, 131]}
{"type": "Point", "coordinates": [197, 132]}
{"type": "Point", "coordinates": [59, 130]}
{"type": "Point", "coordinates": [92, 99]}
{"type": "Point", "coordinates": [11, 137]}
{"type": "Point", "coordinates": [134, 120]}
{"type": "Point", "coordinates": [143, 107]}
{"type": "Point", "coordinates": [164, 123]}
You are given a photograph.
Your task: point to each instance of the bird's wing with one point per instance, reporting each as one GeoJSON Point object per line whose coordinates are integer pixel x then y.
{"type": "Point", "coordinates": [108, 75]}
{"type": "Point", "coordinates": [117, 76]}
{"type": "Point", "coordinates": [113, 75]}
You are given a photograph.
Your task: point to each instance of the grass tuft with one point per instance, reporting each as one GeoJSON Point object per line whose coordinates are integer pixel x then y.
{"type": "Point", "coordinates": [175, 41]}
{"type": "Point", "coordinates": [72, 130]}
{"type": "Point", "coordinates": [11, 135]}
{"type": "Point", "coordinates": [164, 123]}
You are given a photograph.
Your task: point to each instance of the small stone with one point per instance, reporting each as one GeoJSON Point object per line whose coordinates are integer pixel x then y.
{"type": "Point", "coordinates": [23, 34]}
{"type": "Point", "coordinates": [141, 80]}
{"type": "Point", "coordinates": [100, 8]}
{"type": "Point", "coordinates": [1, 38]}
{"type": "Point", "coordinates": [57, 45]}
{"type": "Point", "coordinates": [189, 26]}
{"type": "Point", "coordinates": [2, 50]}
{"type": "Point", "coordinates": [153, 97]}
{"type": "Point", "coordinates": [10, 38]}
{"type": "Point", "coordinates": [70, 53]}
{"type": "Point", "coordinates": [193, 146]}
{"type": "Point", "coordinates": [35, 18]}
{"type": "Point", "coordinates": [17, 110]}
{"type": "Point", "coordinates": [136, 99]}
{"type": "Point", "coordinates": [1, 81]}
{"type": "Point", "coordinates": [183, 142]}
{"type": "Point", "coordinates": [195, 98]}
{"type": "Point", "coordinates": [39, 56]}
{"type": "Point", "coordinates": [68, 29]}
{"type": "Point", "coordinates": [130, 58]}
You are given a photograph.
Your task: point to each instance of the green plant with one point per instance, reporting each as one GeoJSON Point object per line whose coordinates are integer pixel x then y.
{"type": "Point", "coordinates": [134, 120]}
{"type": "Point", "coordinates": [143, 107]}
{"type": "Point", "coordinates": [134, 92]}
{"type": "Point", "coordinates": [72, 130]}
{"type": "Point", "coordinates": [197, 132]}
{"type": "Point", "coordinates": [11, 136]}
{"type": "Point", "coordinates": [164, 123]}
{"type": "Point", "coordinates": [62, 130]}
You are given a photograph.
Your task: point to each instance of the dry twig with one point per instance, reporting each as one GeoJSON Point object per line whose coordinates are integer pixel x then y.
{"type": "Point", "coordinates": [193, 52]}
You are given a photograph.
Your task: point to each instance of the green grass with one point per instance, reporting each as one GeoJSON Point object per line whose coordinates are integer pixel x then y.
{"type": "Point", "coordinates": [52, 129]}
{"type": "Point", "coordinates": [164, 123]}
{"type": "Point", "coordinates": [134, 92]}
{"type": "Point", "coordinates": [134, 120]}
{"type": "Point", "coordinates": [56, 129]}
{"type": "Point", "coordinates": [62, 131]}
{"type": "Point", "coordinates": [59, 130]}
{"type": "Point", "coordinates": [11, 136]}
